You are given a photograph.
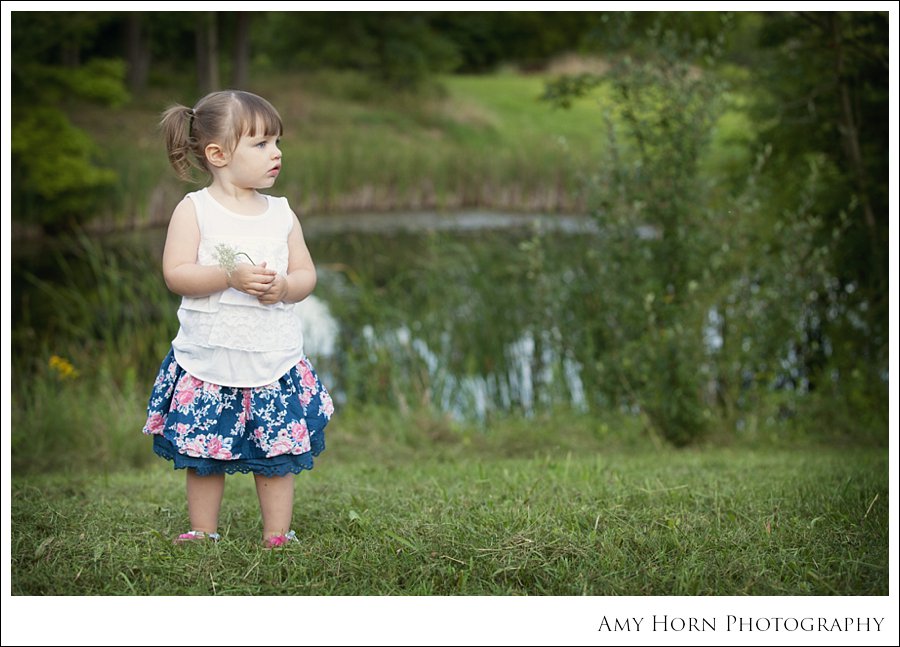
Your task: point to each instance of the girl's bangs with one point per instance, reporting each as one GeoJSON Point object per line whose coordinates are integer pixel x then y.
{"type": "Point", "coordinates": [258, 117]}
{"type": "Point", "coordinates": [261, 122]}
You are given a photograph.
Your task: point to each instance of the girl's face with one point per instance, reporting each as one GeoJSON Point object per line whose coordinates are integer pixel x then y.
{"type": "Point", "coordinates": [255, 162]}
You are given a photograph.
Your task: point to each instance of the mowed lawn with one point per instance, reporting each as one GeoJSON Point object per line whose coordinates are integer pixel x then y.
{"type": "Point", "coordinates": [479, 520]}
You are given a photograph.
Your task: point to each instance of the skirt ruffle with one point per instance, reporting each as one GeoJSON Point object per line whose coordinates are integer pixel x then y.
{"type": "Point", "coordinates": [270, 430]}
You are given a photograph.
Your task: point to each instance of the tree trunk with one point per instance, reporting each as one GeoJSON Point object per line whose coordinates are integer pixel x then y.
{"type": "Point", "coordinates": [207, 51]}
{"type": "Point", "coordinates": [70, 54]}
{"type": "Point", "coordinates": [138, 53]}
{"type": "Point", "coordinates": [851, 134]}
{"type": "Point", "coordinates": [241, 59]}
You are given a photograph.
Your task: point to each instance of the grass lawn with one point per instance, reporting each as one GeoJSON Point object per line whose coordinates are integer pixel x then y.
{"type": "Point", "coordinates": [479, 520]}
{"type": "Point", "coordinates": [484, 141]}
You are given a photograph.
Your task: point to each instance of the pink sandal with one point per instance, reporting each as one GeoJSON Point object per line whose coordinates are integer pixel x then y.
{"type": "Point", "coordinates": [196, 535]}
{"type": "Point", "coordinates": [276, 541]}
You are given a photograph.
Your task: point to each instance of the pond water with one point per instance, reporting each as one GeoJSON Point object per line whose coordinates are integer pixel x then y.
{"type": "Point", "coordinates": [473, 313]}
{"type": "Point", "coordinates": [439, 309]}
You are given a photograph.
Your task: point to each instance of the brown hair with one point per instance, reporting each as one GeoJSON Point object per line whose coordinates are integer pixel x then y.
{"type": "Point", "coordinates": [219, 117]}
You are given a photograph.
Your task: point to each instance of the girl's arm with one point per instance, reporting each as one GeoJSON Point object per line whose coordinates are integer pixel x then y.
{"type": "Point", "coordinates": [185, 277]}
{"type": "Point", "coordinates": [301, 275]}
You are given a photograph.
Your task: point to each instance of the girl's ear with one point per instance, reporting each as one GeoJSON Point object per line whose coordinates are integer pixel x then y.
{"type": "Point", "coordinates": [216, 155]}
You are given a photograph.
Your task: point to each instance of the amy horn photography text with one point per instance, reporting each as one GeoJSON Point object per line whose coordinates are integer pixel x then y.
{"type": "Point", "coordinates": [740, 623]}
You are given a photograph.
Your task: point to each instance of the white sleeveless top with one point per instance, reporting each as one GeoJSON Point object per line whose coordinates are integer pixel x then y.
{"type": "Point", "coordinates": [229, 337]}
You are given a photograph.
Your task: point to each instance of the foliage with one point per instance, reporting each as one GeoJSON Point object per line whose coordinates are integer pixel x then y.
{"type": "Point", "coordinates": [778, 256]}
{"type": "Point", "coordinates": [637, 32]}
{"type": "Point", "coordinates": [487, 40]}
{"type": "Point", "coordinates": [85, 342]}
{"type": "Point", "coordinates": [401, 50]}
{"type": "Point", "coordinates": [649, 198]}
{"type": "Point", "coordinates": [107, 294]}
{"type": "Point", "coordinates": [57, 178]}
{"type": "Point", "coordinates": [823, 118]}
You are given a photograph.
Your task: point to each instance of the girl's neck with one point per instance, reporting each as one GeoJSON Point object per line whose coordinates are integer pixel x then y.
{"type": "Point", "coordinates": [246, 202]}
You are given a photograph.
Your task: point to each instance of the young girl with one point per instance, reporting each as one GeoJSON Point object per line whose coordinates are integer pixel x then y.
{"type": "Point", "coordinates": [236, 392]}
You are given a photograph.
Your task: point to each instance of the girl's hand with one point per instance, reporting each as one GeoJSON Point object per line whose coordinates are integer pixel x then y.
{"type": "Point", "coordinates": [254, 280]}
{"type": "Point", "coordinates": [277, 291]}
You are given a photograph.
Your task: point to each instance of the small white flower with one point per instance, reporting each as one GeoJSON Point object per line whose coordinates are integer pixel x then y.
{"type": "Point", "coordinates": [226, 257]}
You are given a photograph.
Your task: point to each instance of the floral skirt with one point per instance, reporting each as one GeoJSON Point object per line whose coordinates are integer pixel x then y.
{"type": "Point", "coordinates": [270, 430]}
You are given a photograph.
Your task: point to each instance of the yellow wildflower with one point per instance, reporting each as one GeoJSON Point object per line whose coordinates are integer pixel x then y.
{"type": "Point", "coordinates": [63, 368]}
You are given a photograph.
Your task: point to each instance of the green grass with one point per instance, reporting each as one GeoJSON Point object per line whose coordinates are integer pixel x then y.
{"type": "Point", "coordinates": [483, 516]}
{"type": "Point", "coordinates": [484, 141]}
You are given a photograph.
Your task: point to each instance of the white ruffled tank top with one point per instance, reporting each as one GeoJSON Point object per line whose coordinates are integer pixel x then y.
{"type": "Point", "coordinates": [230, 338]}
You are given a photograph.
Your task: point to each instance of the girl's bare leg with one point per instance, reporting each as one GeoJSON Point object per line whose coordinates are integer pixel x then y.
{"type": "Point", "coordinates": [204, 495]}
{"type": "Point", "coordinates": [276, 502]}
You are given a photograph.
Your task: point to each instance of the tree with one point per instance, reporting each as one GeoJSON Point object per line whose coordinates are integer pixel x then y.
{"type": "Point", "coordinates": [240, 69]}
{"type": "Point", "coordinates": [825, 103]}
{"type": "Point", "coordinates": [138, 51]}
{"type": "Point", "coordinates": [650, 203]}
{"type": "Point", "coordinates": [778, 265]}
{"type": "Point", "coordinates": [207, 51]}
{"type": "Point", "coordinates": [399, 50]}
{"type": "Point", "coordinates": [56, 178]}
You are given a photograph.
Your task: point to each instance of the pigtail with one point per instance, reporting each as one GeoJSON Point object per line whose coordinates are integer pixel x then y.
{"type": "Point", "coordinates": [176, 125]}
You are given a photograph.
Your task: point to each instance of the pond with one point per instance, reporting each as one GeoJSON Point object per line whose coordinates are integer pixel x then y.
{"type": "Point", "coordinates": [454, 311]}
{"type": "Point", "coordinates": [472, 313]}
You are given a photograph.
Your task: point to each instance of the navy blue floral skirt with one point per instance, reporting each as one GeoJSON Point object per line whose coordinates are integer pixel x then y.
{"type": "Point", "coordinates": [271, 430]}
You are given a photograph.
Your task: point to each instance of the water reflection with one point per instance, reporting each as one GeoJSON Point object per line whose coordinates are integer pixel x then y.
{"type": "Point", "coordinates": [466, 221]}
{"type": "Point", "coordinates": [515, 386]}
{"type": "Point", "coordinates": [472, 313]}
